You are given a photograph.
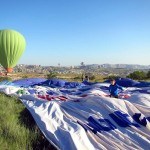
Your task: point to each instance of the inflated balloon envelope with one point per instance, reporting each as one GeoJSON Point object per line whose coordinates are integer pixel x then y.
{"type": "Point", "coordinates": [12, 46]}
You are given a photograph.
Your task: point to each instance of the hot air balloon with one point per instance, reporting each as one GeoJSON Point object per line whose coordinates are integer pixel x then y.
{"type": "Point", "coordinates": [12, 46]}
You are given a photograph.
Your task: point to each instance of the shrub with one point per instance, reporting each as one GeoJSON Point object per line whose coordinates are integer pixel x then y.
{"type": "Point", "coordinates": [137, 75]}
{"type": "Point", "coordinates": [25, 76]}
{"type": "Point", "coordinates": [148, 74]}
{"type": "Point", "coordinates": [77, 78]}
{"type": "Point", "coordinates": [51, 75]}
{"type": "Point", "coordinates": [92, 77]}
{"type": "Point", "coordinates": [5, 78]}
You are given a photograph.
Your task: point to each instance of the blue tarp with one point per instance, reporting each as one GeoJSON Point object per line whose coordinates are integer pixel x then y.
{"type": "Point", "coordinates": [53, 83]}
{"type": "Point", "coordinates": [143, 84]}
{"type": "Point", "coordinates": [27, 82]}
{"type": "Point", "coordinates": [126, 82]}
{"type": "Point", "coordinates": [88, 83]}
{"type": "Point", "coordinates": [74, 85]}
{"type": "Point", "coordinates": [60, 83]}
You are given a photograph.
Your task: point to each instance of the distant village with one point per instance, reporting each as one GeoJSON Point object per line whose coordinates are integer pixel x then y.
{"type": "Point", "coordinates": [104, 69]}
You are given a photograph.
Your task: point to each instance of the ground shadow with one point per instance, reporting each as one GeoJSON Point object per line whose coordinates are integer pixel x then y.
{"type": "Point", "coordinates": [40, 143]}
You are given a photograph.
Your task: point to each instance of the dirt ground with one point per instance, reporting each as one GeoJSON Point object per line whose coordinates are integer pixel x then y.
{"type": "Point", "coordinates": [16, 76]}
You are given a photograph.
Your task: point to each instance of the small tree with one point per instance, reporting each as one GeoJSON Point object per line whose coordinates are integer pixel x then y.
{"type": "Point", "coordinates": [137, 75]}
{"type": "Point", "coordinates": [148, 74]}
{"type": "Point", "coordinates": [5, 78]}
{"type": "Point", "coordinates": [92, 77]}
{"type": "Point", "coordinates": [77, 78]}
{"type": "Point", "coordinates": [51, 75]}
{"type": "Point", "coordinates": [25, 76]}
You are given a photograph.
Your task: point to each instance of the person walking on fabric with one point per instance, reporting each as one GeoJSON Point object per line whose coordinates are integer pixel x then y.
{"type": "Point", "coordinates": [114, 89]}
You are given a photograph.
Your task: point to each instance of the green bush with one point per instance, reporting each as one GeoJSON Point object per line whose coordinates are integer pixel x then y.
{"type": "Point", "coordinates": [137, 75]}
{"type": "Point", "coordinates": [52, 75]}
{"type": "Point", "coordinates": [92, 77]}
{"type": "Point", "coordinates": [25, 76]}
{"type": "Point", "coordinates": [77, 78]}
{"type": "Point", "coordinates": [5, 78]}
{"type": "Point", "coordinates": [148, 74]}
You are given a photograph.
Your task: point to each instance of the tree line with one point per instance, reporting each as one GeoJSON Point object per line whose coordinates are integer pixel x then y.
{"type": "Point", "coordinates": [139, 75]}
{"type": "Point", "coordinates": [136, 75]}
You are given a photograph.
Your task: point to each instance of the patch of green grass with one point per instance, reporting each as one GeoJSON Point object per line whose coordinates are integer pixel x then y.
{"type": "Point", "coordinates": [18, 129]}
{"type": "Point", "coordinates": [5, 78]}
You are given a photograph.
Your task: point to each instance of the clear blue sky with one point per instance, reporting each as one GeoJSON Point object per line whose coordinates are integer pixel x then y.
{"type": "Point", "coordinates": [71, 31]}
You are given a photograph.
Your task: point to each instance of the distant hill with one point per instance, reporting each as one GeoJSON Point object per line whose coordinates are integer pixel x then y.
{"type": "Point", "coordinates": [124, 66]}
